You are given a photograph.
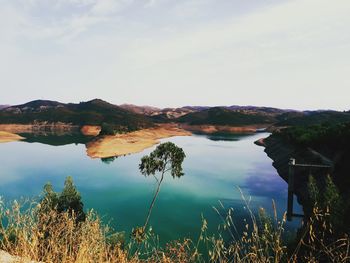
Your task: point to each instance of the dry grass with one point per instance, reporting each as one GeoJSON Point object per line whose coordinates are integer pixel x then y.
{"type": "Point", "coordinates": [57, 237]}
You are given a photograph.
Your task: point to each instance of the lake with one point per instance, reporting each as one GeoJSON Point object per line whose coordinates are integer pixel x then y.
{"type": "Point", "coordinates": [215, 167]}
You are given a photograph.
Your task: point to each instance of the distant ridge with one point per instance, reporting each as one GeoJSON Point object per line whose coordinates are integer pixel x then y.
{"type": "Point", "coordinates": [35, 104]}
{"type": "Point", "coordinates": [158, 113]}
{"type": "Point", "coordinates": [147, 110]}
{"type": "Point", "coordinates": [94, 112]}
{"type": "Point", "coordinates": [226, 116]}
{"type": "Point", "coordinates": [269, 110]}
{"type": "Point", "coordinates": [314, 118]}
{"type": "Point", "coordinates": [130, 117]}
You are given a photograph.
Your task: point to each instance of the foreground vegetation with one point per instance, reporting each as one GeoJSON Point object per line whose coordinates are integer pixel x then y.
{"type": "Point", "coordinates": [57, 229]}
{"type": "Point", "coordinates": [48, 235]}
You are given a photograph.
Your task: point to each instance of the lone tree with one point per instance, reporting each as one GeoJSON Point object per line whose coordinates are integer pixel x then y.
{"type": "Point", "coordinates": [70, 200]}
{"type": "Point", "coordinates": [167, 157]}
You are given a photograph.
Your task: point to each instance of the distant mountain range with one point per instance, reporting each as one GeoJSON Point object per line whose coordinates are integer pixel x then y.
{"type": "Point", "coordinates": [173, 113]}
{"type": "Point", "coordinates": [166, 113]}
{"type": "Point", "coordinates": [131, 117]}
{"type": "Point", "coordinates": [94, 112]}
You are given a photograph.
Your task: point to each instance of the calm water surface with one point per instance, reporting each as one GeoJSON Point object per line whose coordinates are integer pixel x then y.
{"type": "Point", "coordinates": [214, 169]}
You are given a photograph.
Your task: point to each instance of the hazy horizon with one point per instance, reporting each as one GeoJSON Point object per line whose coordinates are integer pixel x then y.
{"type": "Point", "coordinates": [163, 53]}
{"type": "Point", "coordinates": [194, 105]}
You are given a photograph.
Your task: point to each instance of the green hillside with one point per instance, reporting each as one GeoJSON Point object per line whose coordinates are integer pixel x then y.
{"type": "Point", "coordinates": [224, 116]}
{"type": "Point", "coordinates": [94, 112]}
{"type": "Point", "coordinates": [313, 118]}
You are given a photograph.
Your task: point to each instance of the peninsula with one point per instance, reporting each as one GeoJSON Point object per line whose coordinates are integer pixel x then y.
{"type": "Point", "coordinates": [133, 142]}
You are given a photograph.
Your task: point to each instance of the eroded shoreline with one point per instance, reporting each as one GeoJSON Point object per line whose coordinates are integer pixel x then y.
{"type": "Point", "coordinates": [133, 142]}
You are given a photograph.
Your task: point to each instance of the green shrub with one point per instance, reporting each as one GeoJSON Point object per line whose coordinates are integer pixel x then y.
{"type": "Point", "coordinates": [107, 129]}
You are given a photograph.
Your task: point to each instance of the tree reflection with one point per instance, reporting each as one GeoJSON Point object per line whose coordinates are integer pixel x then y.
{"type": "Point", "coordinates": [109, 160]}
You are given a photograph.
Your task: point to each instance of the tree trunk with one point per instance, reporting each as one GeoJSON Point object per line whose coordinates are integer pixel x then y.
{"type": "Point", "coordinates": [153, 201]}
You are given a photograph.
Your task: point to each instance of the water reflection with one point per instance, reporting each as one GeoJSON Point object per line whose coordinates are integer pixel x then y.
{"type": "Point", "coordinates": [263, 183]}
{"type": "Point", "coordinates": [222, 136]}
{"type": "Point", "coordinates": [56, 139]}
{"type": "Point", "coordinates": [109, 160]}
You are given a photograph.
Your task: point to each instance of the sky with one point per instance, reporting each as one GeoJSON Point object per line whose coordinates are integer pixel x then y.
{"type": "Point", "coordinates": [170, 53]}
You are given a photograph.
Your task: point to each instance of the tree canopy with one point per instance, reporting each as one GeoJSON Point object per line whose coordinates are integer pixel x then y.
{"type": "Point", "coordinates": [166, 157]}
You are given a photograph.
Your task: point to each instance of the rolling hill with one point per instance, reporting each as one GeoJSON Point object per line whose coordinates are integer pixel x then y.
{"type": "Point", "coordinates": [128, 117]}
{"type": "Point", "coordinates": [308, 118]}
{"type": "Point", "coordinates": [94, 112]}
{"type": "Point", "coordinates": [225, 116]}
{"type": "Point", "coordinates": [186, 113]}
{"type": "Point", "coordinates": [158, 114]}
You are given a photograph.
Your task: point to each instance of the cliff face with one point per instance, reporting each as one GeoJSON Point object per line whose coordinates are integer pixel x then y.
{"type": "Point", "coordinates": [280, 152]}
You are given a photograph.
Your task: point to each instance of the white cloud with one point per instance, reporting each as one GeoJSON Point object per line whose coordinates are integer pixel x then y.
{"type": "Point", "coordinates": [287, 28]}
{"type": "Point", "coordinates": [106, 7]}
{"type": "Point", "coordinates": [150, 3]}
{"type": "Point", "coordinates": [57, 19]}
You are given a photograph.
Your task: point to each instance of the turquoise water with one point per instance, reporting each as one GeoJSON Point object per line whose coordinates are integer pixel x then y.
{"type": "Point", "coordinates": [215, 167]}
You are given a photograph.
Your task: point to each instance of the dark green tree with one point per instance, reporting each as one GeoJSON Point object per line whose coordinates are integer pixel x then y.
{"type": "Point", "coordinates": [107, 129]}
{"type": "Point", "coordinates": [167, 157]}
{"type": "Point", "coordinates": [70, 200]}
{"type": "Point", "coordinates": [50, 199]}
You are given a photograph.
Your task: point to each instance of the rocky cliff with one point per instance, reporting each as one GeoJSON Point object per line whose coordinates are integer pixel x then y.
{"type": "Point", "coordinates": [281, 152]}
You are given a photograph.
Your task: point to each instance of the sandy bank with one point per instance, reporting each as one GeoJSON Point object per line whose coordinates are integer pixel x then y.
{"type": "Point", "coordinates": [133, 142]}
{"type": "Point", "coordinates": [209, 129]}
{"type": "Point", "coordinates": [9, 137]}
